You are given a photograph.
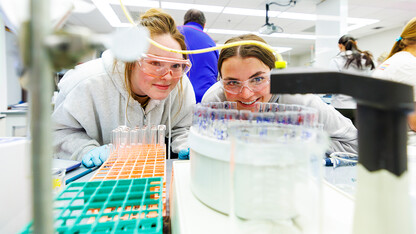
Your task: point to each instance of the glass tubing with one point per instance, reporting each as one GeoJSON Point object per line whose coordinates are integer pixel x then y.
{"type": "Point", "coordinates": [212, 119]}
{"type": "Point", "coordinates": [124, 137]}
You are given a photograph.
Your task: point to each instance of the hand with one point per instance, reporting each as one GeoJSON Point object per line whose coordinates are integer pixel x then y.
{"type": "Point", "coordinates": [96, 156]}
{"type": "Point", "coordinates": [183, 154]}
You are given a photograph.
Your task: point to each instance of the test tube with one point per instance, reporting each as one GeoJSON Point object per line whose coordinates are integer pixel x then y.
{"type": "Point", "coordinates": [227, 105]}
{"type": "Point", "coordinates": [257, 117]}
{"type": "Point", "coordinates": [161, 134]}
{"type": "Point", "coordinates": [233, 105]}
{"type": "Point", "coordinates": [258, 107]}
{"type": "Point", "coordinates": [115, 139]}
{"type": "Point", "coordinates": [245, 115]}
{"type": "Point", "coordinates": [274, 107]}
{"type": "Point", "coordinates": [125, 138]}
{"type": "Point", "coordinates": [153, 135]}
{"type": "Point", "coordinates": [281, 107]}
{"type": "Point", "coordinates": [231, 114]}
{"type": "Point", "coordinates": [217, 105]}
{"type": "Point", "coordinates": [144, 134]}
{"type": "Point", "coordinates": [268, 117]}
{"type": "Point", "coordinates": [195, 117]}
{"type": "Point", "coordinates": [134, 137]}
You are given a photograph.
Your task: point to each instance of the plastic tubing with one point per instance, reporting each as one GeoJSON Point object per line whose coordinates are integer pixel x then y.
{"type": "Point", "coordinates": [280, 63]}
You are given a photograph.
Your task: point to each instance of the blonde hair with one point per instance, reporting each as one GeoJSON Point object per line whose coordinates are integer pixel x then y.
{"type": "Point", "coordinates": [158, 23]}
{"type": "Point", "coordinates": [408, 37]}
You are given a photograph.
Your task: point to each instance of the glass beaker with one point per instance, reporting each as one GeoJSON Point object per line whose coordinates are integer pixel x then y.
{"type": "Point", "coordinates": [276, 176]}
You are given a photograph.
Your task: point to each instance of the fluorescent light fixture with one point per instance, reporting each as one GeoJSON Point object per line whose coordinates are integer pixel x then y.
{"type": "Point", "coordinates": [278, 35]}
{"type": "Point", "coordinates": [109, 14]}
{"type": "Point", "coordinates": [82, 7]}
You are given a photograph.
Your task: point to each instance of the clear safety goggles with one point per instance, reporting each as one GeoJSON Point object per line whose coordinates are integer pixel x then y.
{"type": "Point", "coordinates": [254, 84]}
{"type": "Point", "coordinates": [158, 67]}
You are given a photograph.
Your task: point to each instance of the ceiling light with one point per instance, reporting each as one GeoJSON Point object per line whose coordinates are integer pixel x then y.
{"type": "Point", "coordinates": [104, 6]}
{"type": "Point", "coordinates": [278, 35]}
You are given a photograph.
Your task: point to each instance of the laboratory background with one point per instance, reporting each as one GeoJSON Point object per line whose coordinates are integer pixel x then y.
{"type": "Point", "coordinates": [326, 142]}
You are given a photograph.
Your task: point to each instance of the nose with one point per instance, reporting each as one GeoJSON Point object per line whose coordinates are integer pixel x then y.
{"type": "Point", "coordinates": [245, 92]}
{"type": "Point", "coordinates": [168, 74]}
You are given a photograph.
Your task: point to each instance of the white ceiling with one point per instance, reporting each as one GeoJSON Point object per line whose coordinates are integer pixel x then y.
{"type": "Point", "coordinates": [390, 13]}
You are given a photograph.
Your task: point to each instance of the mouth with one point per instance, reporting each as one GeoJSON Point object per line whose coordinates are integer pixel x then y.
{"type": "Point", "coordinates": [162, 87]}
{"type": "Point", "coordinates": [249, 103]}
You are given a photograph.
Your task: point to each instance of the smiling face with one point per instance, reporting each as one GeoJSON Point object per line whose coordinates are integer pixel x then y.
{"type": "Point", "coordinates": [156, 87]}
{"type": "Point", "coordinates": [242, 69]}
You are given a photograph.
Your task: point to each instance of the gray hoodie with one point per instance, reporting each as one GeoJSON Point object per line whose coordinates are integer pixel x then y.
{"type": "Point", "coordinates": [92, 101]}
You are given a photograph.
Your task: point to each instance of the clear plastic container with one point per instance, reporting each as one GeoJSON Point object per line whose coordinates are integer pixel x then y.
{"type": "Point", "coordinates": [276, 178]}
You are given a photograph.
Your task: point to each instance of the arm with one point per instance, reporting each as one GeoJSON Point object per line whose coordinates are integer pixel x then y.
{"type": "Point", "coordinates": [411, 120]}
{"type": "Point", "coordinates": [342, 132]}
{"type": "Point", "coordinates": [70, 140]}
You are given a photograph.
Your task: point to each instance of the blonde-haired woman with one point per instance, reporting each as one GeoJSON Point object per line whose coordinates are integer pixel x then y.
{"type": "Point", "coordinates": [400, 64]}
{"type": "Point", "coordinates": [98, 96]}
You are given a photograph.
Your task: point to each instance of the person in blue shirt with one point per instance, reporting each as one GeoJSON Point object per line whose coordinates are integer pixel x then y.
{"type": "Point", "coordinates": [204, 71]}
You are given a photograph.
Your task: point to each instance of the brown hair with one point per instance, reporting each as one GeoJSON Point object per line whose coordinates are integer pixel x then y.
{"type": "Point", "coordinates": [244, 51]}
{"type": "Point", "coordinates": [350, 44]}
{"type": "Point", "coordinates": [408, 37]}
{"type": "Point", "coordinates": [158, 23]}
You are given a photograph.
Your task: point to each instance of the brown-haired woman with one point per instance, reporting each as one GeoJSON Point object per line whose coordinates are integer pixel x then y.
{"type": "Point", "coordinates": [98, 96]}
{"type": "Point", "coordinates": [245, 79]}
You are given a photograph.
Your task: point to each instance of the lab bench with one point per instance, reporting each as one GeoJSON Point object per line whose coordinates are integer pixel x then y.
{"type": "Point", "coordinates": [14, 124]}
{"type": "Point", "coordinates": [186, 213]}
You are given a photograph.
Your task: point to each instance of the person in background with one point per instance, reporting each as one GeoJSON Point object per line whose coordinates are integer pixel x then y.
{"type": "Point", "coordinates": [400, 64]}
{"type": "Point", "coordinates": [353, 60]}
{"type": "Point", "coordinates": [204, 72]}
{"type": "Point", "coordinates": [100, 95]}
{"type": "Point", "coordinates": [245, 79]}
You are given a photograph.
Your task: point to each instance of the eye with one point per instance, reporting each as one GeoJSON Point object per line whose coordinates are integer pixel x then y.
{"type": "Point", "coordinates": [232, 82]}
{"type": "Point", "coordinates": [154, 63]}
{"type": "Point", "coordinates": [257, 80]}
{"type": "Point", "coordinates": [176, 66]}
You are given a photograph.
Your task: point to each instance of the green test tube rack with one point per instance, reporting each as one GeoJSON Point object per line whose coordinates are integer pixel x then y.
{"type": "Point", "coordinates": [111, 206]}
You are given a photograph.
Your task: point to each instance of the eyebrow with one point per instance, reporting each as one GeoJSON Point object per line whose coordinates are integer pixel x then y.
{"type": "Point", "coordinates": [254, 75]}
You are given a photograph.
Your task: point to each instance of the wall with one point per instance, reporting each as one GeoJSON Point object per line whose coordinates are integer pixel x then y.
{"type": "Point", "coordinates": [377, 43]}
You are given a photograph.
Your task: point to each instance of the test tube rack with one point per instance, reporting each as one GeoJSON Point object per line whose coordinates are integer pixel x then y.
{"type": "Point", "coordinates": [135, 161]}
{"type": "Point", "coordinates": [138, 161]}
{"type": "Point", "coordinates": [112, 206]}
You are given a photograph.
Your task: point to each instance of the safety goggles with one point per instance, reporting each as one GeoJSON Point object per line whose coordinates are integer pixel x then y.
{"type": "Point", "coordinates": [254, 84]}
{"type": "Point", "coordinates": [158, 67]}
